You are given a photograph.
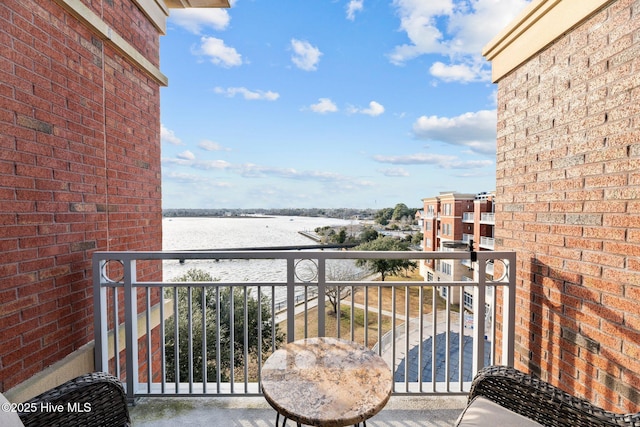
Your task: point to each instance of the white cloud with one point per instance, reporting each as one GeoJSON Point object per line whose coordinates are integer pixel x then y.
{"type": "Point", "coordinates": [185, 160]}
{"type": "Point", "coordinates": [196, 19]}
{"type": "Point", "coordinates": [305, 56]}
{"type": "Point", "coordinates": [440, 160]}
{"type": "Point", "coordinates": [168, 136]}
{"type": "Point", "coordinates": [375, 109]}
{"type": "Point", "coordinates": [463, 73]}
{"type": "Point", "coordinates": [186, 155]}
{"type": "Point", "coordinates": [394, 172]}
{"type": "Point", "coordinates": [352, 7]}
{"type": "Point", "coordinates": [212, 146]}
{"type": "Point", "coordinates": [324, 105]}
{"type": "Point", "coordinates": [218, 53]}
{"type": "Point", "coordinates": [248, 94]}
{"type": "Point", "coordinates": [476, 130]}
{"type": "Point", "coordinates": [456, 29]}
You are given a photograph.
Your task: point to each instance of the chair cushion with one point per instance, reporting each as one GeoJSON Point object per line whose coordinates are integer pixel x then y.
{"type": "Point", "coordinates": [482, 412]}
{"type": "Point", "coordinates": [8, 418]}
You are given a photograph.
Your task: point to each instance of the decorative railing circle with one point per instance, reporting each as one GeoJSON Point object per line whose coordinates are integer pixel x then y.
{"type": "Point", "coordinates": [104, 271]}
{"type": "Point", "coordinates": [306, 270]}
{"type": "Point", "coordinates": [505, 271]}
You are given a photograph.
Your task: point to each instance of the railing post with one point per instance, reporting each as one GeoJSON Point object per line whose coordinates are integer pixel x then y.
{"type": "Point", "coordinates": [509, 311]}
{"type": "Point", "coordinates": [291, 299]}
{"type": "Point", "coordinates": [100, 322]}
{"type": "Point", "coordinates": [131, 328]}
{"type": "Point", "coordinates": [479, 315]}
{"type": "Point", "coordinates": [322, 287]}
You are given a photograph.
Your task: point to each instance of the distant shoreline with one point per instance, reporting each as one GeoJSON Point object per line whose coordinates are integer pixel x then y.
{"type": "Point", "coordinates": [221, 216]}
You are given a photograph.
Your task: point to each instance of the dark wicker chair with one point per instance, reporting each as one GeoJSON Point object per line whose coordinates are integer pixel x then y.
{"type": "Point", "coordinates": [541, 401]}
{"type": "Point", "coordinates": [95, 399]}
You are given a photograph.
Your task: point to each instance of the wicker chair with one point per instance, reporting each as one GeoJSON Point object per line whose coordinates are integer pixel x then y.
{"type": "Point", "coordinates": [541, 401]}
{"type": "Point", "coordinates": [91, 400]}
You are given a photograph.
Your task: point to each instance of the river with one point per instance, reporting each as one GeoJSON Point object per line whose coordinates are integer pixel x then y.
{"type": "Point", "coordinates": [238, 232]}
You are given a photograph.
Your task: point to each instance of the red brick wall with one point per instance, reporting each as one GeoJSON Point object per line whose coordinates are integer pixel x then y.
{"type": "Point", "coordinates": [79, 171]}
{"type": "Point", "coordinates": [568, 201]}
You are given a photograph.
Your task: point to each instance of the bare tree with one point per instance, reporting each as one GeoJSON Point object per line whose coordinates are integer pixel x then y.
{"type": "Point", "coordinates": [341, 271]}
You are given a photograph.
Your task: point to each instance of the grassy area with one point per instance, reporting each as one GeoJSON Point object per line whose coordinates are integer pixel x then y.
{"type": "Point", "coordinates": [331, 325]}
{"type": "Point", "coordinates": [385, 294]}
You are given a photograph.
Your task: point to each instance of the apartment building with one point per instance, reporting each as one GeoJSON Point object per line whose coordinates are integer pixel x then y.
{"type": "Point", "coordinates": [453, 221]}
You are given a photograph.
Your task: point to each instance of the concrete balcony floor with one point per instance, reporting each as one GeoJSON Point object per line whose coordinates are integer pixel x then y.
{"type": "Point", "coordinates": [401, 411]}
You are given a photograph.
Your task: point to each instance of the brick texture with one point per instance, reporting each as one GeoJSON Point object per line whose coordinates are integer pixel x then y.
{"type": "Point", "coordinates": [79, 171]}
{"type": "Point", "coordinates": [568, 192]}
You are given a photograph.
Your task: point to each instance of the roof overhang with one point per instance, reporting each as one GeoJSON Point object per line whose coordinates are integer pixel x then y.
{"type": "Point", "coordinates": [537, 26]}
{"type": "Point", "coordinates": [181, 4]}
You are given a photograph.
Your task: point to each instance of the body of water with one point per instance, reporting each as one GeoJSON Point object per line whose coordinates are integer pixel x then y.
{"type": "Point", "coordinates": [235, 233]}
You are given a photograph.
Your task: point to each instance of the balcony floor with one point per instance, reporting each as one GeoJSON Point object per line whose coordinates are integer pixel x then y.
{"type": "Point", "coordinates": [401, 411]}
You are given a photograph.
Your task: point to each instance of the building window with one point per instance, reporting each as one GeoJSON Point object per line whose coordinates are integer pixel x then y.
{"type": "Point", "coordinates": [468, 301]}
{"type": "Point", "coordinates": [445, 267]}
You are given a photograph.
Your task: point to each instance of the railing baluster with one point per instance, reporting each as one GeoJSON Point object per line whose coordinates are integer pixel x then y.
{"type": "Point", "coordinates": [246, 340]}
{"type": "Point", "coordinates": [434, 338]}
{"type": "Point", "coordinates": [407, 339]}
{"type": "Point", "coordinates": [131, 328]}
{"type": "Point", "coordinates": [322, 292]}
{"type": "Point", "coordinates": [421, 335]}
{"type": "Point", "coordinates": [232, 339]}
{"type": "Point", "coordinates": [205, 357]}
{"type": "Point", "coordinates": [148, 334]}
{"type": "Point", "coordinates": [116, 334]}
{"type": "Point", "coordinates": [176, 340]}
{"type": "Point", "coordinates": [190, 337]}
{"type": "Point", "coordinates": [218, 341]}
{"type": "Point", "coordinates": [163, 343]}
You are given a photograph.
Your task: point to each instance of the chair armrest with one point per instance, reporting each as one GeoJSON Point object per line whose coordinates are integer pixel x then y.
{"type": "Point", "coordinates": [542, 402]}
{"type": "Point", "coordinates": [95, 399]}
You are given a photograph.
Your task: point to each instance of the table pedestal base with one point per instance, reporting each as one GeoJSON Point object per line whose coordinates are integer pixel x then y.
{"type": "Point", "coordinates": [284, 422]}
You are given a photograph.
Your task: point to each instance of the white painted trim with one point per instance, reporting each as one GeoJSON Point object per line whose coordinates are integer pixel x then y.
{"type": "Point", "coordinates": [540, 24]}
{"type": "Point", "coordinates": [106, 33]}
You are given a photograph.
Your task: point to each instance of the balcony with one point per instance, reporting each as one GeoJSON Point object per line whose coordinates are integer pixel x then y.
{"type": "Point", "coordinates": [487, 242]}
{"type": "Point", "coordinates": [488, 218]}
{"type": "Point", "coordinates": [430, 351]}
{"type": "Point", "coordinates": [468, 217]}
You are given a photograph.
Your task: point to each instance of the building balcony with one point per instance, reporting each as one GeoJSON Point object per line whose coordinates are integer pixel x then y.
{"type": "Point", "coordinates": [210, 338]}
{"type": "Point", "coordinates": [468, 217]}
{"type": "Point", "coordinates": [488, 218]}
{"type": "Point", "coordinates": [487, 243]}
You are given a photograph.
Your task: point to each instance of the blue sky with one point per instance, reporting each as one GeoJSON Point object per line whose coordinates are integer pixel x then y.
{"type": "Point", "coordinates": [328, 103]}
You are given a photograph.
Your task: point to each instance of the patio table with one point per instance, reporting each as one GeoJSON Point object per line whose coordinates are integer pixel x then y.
{"type": "Point", "coordinates": [326, 382]}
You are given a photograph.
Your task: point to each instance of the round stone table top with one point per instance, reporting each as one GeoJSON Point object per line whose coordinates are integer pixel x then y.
{"type": "Point", "coordinates": [326, 382]}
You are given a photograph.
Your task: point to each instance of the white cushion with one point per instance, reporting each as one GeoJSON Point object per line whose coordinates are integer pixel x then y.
{"type": "Point", "coordinates": [7, 417]}
{"type": "Point", "coordinates": [482, 412]}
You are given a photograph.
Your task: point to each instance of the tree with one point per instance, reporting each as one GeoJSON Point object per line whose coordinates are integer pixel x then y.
{"type": "Point", "coordinates": [340, 270]}
{"type": "Point", "coordinates": [383, 216]}
{"type": "Point", "coordinates": [190, 299]}
{"type": "Point", "coordinates": [385, 267]}
{"type": "Point", "coordinates": [368, 234]}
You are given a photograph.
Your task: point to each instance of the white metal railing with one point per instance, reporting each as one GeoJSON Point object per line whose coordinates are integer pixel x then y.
{"type": "Point", "coordinates": [488, 218]}
{"type": "Point", "coordinates": [467, 217]}
{"type": "Point", "coordinates": [173, 338]}
{"type": "Point", "coordinates": [487, 242]}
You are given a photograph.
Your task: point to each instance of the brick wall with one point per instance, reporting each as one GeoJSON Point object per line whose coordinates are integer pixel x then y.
{"type": "Point", "coordinates": [568, 201]}
{"type": "Point", "coordinates": [79, 171]}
